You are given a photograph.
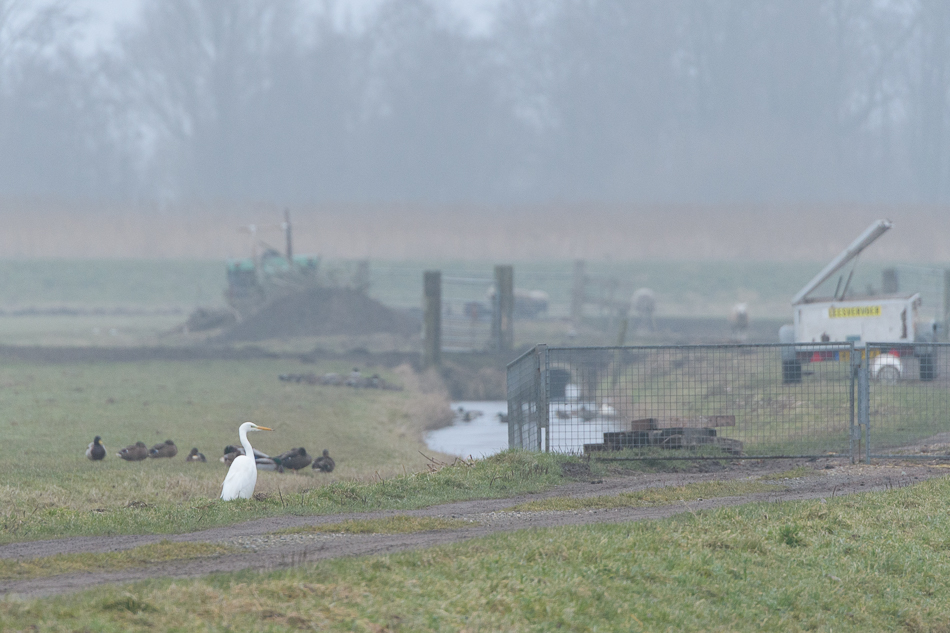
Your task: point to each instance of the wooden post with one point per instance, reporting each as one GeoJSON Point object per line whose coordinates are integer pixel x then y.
{"type": "Point", "coordinates": [288, 237]}
{"type": "Point", "coordinates": [946, 304]}
{"type": "Point", "coordinates": [432, 326]}
{"type": "Point", "coordinates": [578, 292]}
{"type": "Point", "coordinates": [504, 308]}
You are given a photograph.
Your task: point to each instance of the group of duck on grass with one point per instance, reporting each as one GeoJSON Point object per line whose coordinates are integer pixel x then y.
{"type": "Point", "coordinates": [295, 459]}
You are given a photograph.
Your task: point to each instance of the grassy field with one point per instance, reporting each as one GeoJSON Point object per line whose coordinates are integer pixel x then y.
{"type": "Point", "coordinates": [684, 288]}
{"type": "Point", "coordinates": [874, 562]}
{"type": "Point", "coordinates": [162, 552]}
{"type": "Point", "coordinates": [49, 489]}
{"type": "Point", "coordinates": [51, 412]}
{"type": "Point", "coordinates": [140, 302]}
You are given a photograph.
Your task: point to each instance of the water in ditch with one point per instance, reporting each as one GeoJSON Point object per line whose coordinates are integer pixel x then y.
{"type": "Point", "coordinates": [476, 431]}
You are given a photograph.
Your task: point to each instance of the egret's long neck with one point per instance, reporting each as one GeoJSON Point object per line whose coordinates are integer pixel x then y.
{"type": "Point", "coordinates": [248, 449]}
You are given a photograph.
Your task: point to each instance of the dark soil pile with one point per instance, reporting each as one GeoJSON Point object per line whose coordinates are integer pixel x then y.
{"type": "Point", "coordinates": [322, 312]}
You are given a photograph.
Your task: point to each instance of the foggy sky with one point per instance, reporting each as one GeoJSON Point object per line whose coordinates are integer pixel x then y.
{"type": "Point", "coordinates": [497, 101]}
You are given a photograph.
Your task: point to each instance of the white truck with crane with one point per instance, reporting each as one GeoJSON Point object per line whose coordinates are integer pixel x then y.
{"type": "Point", "coordinates": [845, 317]}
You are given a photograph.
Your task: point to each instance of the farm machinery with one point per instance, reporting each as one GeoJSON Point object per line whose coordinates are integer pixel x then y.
{"type": "Point", "coordinates": [845, 317]}
{"type": "Point", "coordinates": [255, 281]}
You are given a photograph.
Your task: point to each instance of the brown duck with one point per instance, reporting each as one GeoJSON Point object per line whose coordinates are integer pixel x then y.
{"type": "Point", "coordinates": [96, 450]}
{"type": "Point", "coordinates": [195, 456]}
{"type": "Point", "coordinates": [165, 449]}
{"type": "Point", "coordinates": [294, 459]}
{"type": "Point", "coordinates": [324, 462]}
{"type": "Point", "coordinates": [134, 452]}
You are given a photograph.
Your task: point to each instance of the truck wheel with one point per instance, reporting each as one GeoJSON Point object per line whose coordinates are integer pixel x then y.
{"type": "Point", "coordinates": [791, 372]}
{"type": "Point", "coordinates": [928, 367]}
{"type": "Point", "coordinates": [888, 375]}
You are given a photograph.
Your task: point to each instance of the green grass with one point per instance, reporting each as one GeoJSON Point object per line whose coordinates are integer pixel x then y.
{"type": "Point", "coordinates": [49, 489]}
{"type": "Point", "coordinates": [400, 524]}
{"type": "Point", "coordinates": [874, 562]}
{"type": "Point", "coordinates": [650, 496]}
{"type": "Point", "coordinates": [111, 283]}
{"type": "Point", "coordinates": [793, 473]}
{"type": "Point", "coordinates": [684, 288]}
{"type": "Point", "coordinates": [162, 552]}
{"type": "Point", "coordinates": [51, 412]}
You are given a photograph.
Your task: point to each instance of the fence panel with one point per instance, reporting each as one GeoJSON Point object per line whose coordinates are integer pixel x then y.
{"type": "Point", "coordinates": [467, 308]}
{"type": "Point", "coordinates": [525, 387]}
{"type": "Point", "coordinates": [909, 399]}
{"type": "Point", "coordinates": [672, 402]}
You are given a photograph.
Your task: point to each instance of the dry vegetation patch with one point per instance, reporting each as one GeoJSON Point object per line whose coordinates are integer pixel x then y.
{"type": "Point", "coordinates": [162, 552]}
{"type": "Point", "coordinates": [400, 524]}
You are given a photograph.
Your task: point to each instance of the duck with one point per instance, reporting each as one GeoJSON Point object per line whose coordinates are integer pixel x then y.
{"type": "Point", "coordinates": [502, 417]}
{"type": "Point", "coordinates": [268, 463]}
{"type": "Point", "coordinates": [195, 456]}
{"type": "Point", "coordinates": [231, 451]}
{"type": "Point", "coordinates": [294, 459]}
{"type": "Point", "coordinates": [134, 452]}
{"type": "Point", "coordinates": [165, 449]}
{"type": "Point", "coordinates": [263, 461]}
{"type": "Point", "coordinates": [96, 450]}
{"type": "Point", "coordinates": [324, 462]}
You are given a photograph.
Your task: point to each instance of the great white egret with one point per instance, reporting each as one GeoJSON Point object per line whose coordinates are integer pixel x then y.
{"type": "Point", "coordinates": [324, 462]}
{"type": "Point", "coordinates": [195, 456]}
{"type": "Point", "coordinates": [96, 450]}
{"type": "Point", "coordinates": [242, 475]}
{"type": "Point", "coordinates": [134, 452]}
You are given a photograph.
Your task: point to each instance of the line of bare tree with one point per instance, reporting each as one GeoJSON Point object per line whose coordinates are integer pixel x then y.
{"type": "Point", "coordinates": [608, 100]}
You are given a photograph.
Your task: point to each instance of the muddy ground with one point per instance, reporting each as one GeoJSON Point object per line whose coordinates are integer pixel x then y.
{"type": "Point", "coordinates": [264, 550]}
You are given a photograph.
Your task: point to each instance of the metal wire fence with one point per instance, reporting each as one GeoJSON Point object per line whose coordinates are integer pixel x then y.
{"type": "Point", "coordinates": [467, 313]}
{"type": "Point", "coordinates": [737, 401]}
{"type": "Point", "coordinates": [908, 395]}
{"type": "Point", "coordinates": [668, 402]}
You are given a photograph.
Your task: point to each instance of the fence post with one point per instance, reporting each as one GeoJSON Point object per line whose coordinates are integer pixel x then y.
{"type": "Point", "coordinates": [541, 394]}
{"type": "Point", "coordinates": [864, 402]}
{"type": "Point", "coordinates": [432, 327]}
{"type": "Point", "coordinates": [504, 309]}
{"type": "Point", "coordinates": [854, 429]}
{"type": "Point", "coordinates": [578, 292]}
{"type": "Point", "coordinates": [946, 304]}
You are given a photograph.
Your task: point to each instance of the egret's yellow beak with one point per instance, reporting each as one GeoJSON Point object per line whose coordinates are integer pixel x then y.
{"type": "Point", "coordinates": [264, 428]}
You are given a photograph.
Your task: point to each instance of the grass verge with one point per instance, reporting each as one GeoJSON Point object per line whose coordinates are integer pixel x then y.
{"type": "Point", "coordinates": [650, 496]}
{"type": "Point", "coordinates": [506, 474]}
{"type": "Point", "coordinates": [162, 552]}
{"type": "Point", "coordinates": [400, 524]}
{"type": "Point", "coordinates": [874, 562]}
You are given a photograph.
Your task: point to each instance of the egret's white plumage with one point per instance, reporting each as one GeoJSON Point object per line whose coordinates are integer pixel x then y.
{"type": "Point", "coordinates": [242, 475]}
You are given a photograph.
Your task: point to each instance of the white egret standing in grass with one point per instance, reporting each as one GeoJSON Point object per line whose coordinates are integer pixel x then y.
{"type": "Point", "coordinates": [242, 475]}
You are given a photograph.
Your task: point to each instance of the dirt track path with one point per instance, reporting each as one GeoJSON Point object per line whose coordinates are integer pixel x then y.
{"type": "Point", "coordinates": [264, 550]}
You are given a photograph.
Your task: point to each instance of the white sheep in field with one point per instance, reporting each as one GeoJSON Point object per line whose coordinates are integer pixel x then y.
{"type": "Point", "coordinates": [739, 321]}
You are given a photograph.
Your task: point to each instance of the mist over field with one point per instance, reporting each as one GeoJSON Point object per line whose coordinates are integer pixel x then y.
{"type": "Point", "coordinates": [523, 105]}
